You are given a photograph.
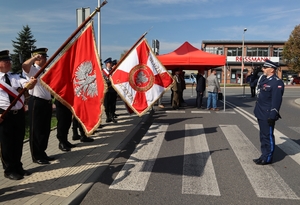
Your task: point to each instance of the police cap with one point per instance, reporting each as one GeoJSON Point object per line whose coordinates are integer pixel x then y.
{"type": "Point", "coordinates": [270, 64]}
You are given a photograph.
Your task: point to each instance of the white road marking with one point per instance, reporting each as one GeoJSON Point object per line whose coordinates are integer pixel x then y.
{"type": "Point", "coordinates": [198, 171]}
{"type": "Point", "coordinates": [265, 181]}
{"type": "Point", "coordinates": [136, 172]}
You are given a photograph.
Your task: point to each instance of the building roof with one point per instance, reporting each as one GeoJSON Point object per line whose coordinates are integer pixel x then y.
{"type": "Point", "coordinates": [240, 42]}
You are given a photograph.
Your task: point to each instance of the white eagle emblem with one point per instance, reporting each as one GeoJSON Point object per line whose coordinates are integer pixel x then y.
{"type": "Point", "coordinates": [85, 81]}
{"type": "Point", "coordinates": [141, 78]}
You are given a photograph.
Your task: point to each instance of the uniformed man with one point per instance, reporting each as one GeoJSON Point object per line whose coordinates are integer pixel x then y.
{"type": "Point", "coordinates": [111, 94]}
{"type": "Point", "coordinates": [12, 125]}
{"type": "Point", "coordinates": [82, 137]}
{"type": "Point", "coordinates": [270, 90]}
{"type": "Point", "coordinates": [64, 120]}
{"type": "Point", "coordinates": [39, 108]}
{"type": "Point", "coordinates": [114, 63]}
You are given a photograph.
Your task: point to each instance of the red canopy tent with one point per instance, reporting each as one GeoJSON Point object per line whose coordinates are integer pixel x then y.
{"type": "Point", "coordinates": [187, 57]}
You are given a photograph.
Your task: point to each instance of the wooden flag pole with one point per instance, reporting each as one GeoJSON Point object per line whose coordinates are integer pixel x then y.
{"type": "Point", "coordinates": [127, 53]}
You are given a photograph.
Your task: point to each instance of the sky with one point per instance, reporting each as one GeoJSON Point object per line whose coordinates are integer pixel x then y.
{"type": "Point", "coordinates": [171, 22]}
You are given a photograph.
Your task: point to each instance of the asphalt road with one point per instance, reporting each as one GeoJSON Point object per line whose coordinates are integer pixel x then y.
{"type": "Point", "coordinates": [196, 156]}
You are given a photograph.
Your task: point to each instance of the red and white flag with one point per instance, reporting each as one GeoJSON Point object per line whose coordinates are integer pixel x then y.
{"type": "Point", "coordinates": [75, 79]}
{"type": "Point", "coordinates": [140, 79]}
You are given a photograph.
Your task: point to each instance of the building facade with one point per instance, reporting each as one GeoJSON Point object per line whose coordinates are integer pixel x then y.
{"type": "Point", "coordinates": [254, 54]}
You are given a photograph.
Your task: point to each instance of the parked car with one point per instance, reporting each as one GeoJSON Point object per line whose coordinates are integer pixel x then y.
{"type": "Point", "coordinates": [296, 80]}
{"type": "Point", "coordinates": [190, 79]}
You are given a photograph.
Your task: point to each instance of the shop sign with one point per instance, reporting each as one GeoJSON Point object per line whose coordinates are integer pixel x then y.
{"type": "Point", "coordinates": [253, 59]}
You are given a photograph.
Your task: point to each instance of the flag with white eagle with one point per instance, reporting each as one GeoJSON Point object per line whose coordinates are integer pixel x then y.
{"type": "Point", "coordinates": [140, 79]}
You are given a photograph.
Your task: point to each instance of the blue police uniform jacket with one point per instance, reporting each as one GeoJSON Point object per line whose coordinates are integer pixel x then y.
{"type": "Point", "coordinates": [269, 99]}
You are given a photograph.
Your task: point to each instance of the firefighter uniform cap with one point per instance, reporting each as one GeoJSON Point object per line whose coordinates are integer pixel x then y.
{"type": "Point", "coordinates": [108, 60]}
{"type": "Point", "coordinates": [41, 51]}
{"type": "Point", "coordinates": [4, 55]}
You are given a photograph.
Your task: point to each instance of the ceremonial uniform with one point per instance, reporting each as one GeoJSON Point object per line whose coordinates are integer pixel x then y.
{"type": "Point", "coordinates": [269, 98]}
{"type": "Point", "coordinates": [12, 125]}
{"type": "Point", "coordinates": [110, 95]}
{"type": "Point", "coordinates": [64, 120]}
{"type": "Point", "coordinates": [40, 113]}
{"type": "Point", "coordinates": [82, 137]}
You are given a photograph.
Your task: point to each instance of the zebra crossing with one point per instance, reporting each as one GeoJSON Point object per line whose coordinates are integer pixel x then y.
{"type": "Point", "coordinates": [198, 172]}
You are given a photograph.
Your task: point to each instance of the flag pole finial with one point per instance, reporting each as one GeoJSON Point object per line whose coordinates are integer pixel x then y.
{"type": "Point", "coordinates": [98, 8]}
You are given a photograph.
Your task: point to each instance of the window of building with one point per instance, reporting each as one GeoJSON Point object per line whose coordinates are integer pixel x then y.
{"type": "Point", "coordinates": [215, 50]}
{"type": "Point", "coordinates": [277, 52]}
{"type": "Point", "coordinates": [234, 51]}
{"type": "Point", "coordinates": [262, 51]}
{"type": "Point", "coordinates": [257, 51]}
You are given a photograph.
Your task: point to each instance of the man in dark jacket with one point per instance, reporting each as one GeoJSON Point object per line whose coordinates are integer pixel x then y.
{"type": "Point", "coordinates": [200, 88]}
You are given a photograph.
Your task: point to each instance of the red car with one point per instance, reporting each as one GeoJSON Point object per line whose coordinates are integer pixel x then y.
{"type": "Point", "coordinates": [296, 80]}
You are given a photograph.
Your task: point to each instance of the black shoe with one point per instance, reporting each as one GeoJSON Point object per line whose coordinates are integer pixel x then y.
{"type": "Point", "coordinates": [49, 158]}
{"type": "Point", "coordinates": [86, 139]}
{"type": "Point", "coordinates": [63, 147]}
{"type": "Point", "coordinates": [263, 162]}
{"type": "Point", "coordinates": [114, 121]}
{"type": "Point", "coordinates": [13, 176]}
{"type": "Point", "coordinates": [69, 144]}
{"type": "Point", "coordinates": [108, 120]}
{"type": "Point", "coordinates": [41, 161]}
{"type": "Point", "coordinates": [256, 160]}
{"type": "Point", "coordinates": [24, 173]}
{"type": "Point", "coordinates": [76, 137]}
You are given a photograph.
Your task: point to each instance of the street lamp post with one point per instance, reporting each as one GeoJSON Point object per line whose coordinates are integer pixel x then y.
{"type": "Point", "coordinates": [99, 30]}
{"type": "Point", "coordinates": [242, 69]}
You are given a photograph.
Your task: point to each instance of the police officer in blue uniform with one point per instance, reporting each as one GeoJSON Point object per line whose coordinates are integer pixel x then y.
{"type": "Point", "coordinates": [269, 97]}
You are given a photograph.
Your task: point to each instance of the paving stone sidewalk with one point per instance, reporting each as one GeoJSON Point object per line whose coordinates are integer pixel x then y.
{"type": "Point", "coordinates": [67, 179]}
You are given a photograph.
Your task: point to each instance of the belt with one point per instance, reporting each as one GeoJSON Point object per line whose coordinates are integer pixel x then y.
{"type": "Point", "coordinates": [37, 98]}
{"type": "Point", "coordinates": [14, 112]}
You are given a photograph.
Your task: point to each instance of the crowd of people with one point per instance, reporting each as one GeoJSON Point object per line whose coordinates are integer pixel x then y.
{"type": "Point", "coordinates": [268, 88]}
{"type": "Point", "coordinates": [211, 84]}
